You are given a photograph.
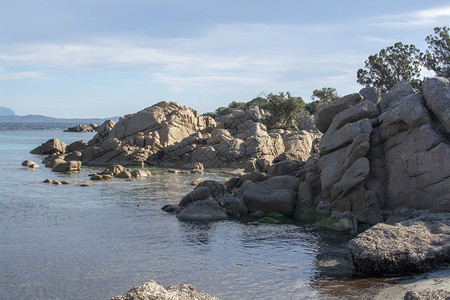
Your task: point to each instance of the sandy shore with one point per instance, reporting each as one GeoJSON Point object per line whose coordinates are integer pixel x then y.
{"type": "Point", "coordinates": [439, 280]}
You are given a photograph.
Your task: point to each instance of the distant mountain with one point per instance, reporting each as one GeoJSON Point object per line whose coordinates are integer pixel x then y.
{"type": "Point", "coordinates": [44, 119]}
{"type": "Point", "coordinates": [6, 111]}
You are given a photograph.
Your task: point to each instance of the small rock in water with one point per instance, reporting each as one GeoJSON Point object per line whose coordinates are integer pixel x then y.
{"type": "Point", "coordinates": [47, 181]}
{"type": "Point", "coordinates": [152, 290]}
{"type": "Point", "coordinates": [30, 164]}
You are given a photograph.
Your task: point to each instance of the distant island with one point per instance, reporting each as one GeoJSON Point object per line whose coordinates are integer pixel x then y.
{"type": "Point", "coordinates": [6, 111]}
{"type": "Point", "coordinates": [8, 115]}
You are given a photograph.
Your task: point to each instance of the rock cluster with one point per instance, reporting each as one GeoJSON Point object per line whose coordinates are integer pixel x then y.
{"type": "Point", "coordinates": [136, 136]}
{"type": "Point", "coordinates": [381, 152]}
{"type": "Point", "coordinates": [83, 128]}
{"type": "Point", "coordinates": [151, 290]}
{"type": "Point", "coordinates": [378, 153]}
{"type": "Point", "coordinates": [119, 171]}
{"type": "Point", "coordinates": [30, 164]}
{"type": "Point", "coordinates": [239, 139]}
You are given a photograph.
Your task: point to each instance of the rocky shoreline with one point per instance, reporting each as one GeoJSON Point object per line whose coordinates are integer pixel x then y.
{"type": "Point", "coordinates": [374, 160]}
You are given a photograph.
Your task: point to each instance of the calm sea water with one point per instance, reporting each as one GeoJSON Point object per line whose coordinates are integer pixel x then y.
{"type": "Point", "coordinates": [74, 242]}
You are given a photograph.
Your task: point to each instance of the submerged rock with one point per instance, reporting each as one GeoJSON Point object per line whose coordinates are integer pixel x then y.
{"type": "Point", "coordinates": [151, 290]}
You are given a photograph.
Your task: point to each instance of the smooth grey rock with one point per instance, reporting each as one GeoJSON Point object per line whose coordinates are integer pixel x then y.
{"type": "Point", "coordinates": [202, 210]}
{"type": "Point", "coordinates": [326, 115]}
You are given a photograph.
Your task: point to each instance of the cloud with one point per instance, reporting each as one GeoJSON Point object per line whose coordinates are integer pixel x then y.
{"type": "Point", "coordinates": [22, 75]}
{"type": "Point", "coordinates": [228, 58]}
{"type": "Point", "coordinates": [438, 16]}
{"type": "Point", "coordinates": [376, 39]}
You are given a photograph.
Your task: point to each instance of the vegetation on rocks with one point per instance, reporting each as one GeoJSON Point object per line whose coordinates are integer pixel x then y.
{"type": "Point", "coordinates": [401, 62]}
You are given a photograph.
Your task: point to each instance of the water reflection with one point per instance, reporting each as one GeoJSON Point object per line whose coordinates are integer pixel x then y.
{"type": "Point", "coordinates": [197, 233]}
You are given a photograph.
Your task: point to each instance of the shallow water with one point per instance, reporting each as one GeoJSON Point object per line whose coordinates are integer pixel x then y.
{"type": "Point", "coordinates": [74, 242]}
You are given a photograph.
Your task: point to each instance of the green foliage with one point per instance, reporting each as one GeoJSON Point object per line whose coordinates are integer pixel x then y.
{"type": "Point", "coordinates": [391, 65]}
{"type": "Point", "coordinates": [221, 111]}
{"type": "Point", "coordinates": [326, 94]}
{"type": "Point", "coordinates": [438, 58]}
{"type": "Point", "coordinates": [320, 99]}
{"type": "Point", "coordinates": [283, 108]}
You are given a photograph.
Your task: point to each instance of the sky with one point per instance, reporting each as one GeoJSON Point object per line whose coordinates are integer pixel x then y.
{"type": "Point", "coordinates": [104, 58]}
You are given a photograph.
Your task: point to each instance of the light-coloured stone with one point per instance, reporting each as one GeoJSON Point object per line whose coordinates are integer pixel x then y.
{"type": "Point", "coordinates": [70, 166]}
{"type": "Point", "coordinates": [437, 95]}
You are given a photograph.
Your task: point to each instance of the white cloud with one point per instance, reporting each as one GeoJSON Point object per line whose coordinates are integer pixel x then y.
{"type": "Point", "coordinates": [376, 39]}
{"type": "Point", "coordinates": [22, 75]}
{"type": "Point", "coordinates": [430, 17]}
{"type": "Point", "coordinates": [229, 58]}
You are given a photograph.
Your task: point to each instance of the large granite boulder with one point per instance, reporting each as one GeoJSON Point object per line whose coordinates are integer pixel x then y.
{"type": "Point", "coordinates": [417, 168]}
{"type": "Point", "coordinates": [326, 115]}
{"type": "Point", "coordinates": [134, 137]}
{"type": "Point", "coordinates": [209, 201]}
{"type": "Point", "coordinates": [381, 153]}
{"type": "Point", "coordinates": [344, 163]}
{"type": "Point", "coordinates": [50, 147]}
{"type": "Point", "coordinates": [416, 245]}
{"type": "Point", "coordinates": [203, 210]}
{"type": "Point", "coordinates": [261, 197]}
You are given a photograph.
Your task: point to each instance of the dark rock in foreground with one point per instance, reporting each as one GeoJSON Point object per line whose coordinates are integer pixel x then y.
{"type": "Point", "coordinates": [151, 290]}
{"type": "Point", "coordinates": [412, 246]}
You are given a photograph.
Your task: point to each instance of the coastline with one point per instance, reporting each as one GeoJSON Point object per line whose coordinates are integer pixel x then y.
{"type": "Point", "coordinates": [433, 281]}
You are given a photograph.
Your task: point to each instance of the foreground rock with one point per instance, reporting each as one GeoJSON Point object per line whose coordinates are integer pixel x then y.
{"type": "Point", "coordinates": [416, 246]}
{"type": "Point", "coordinates": [151, 290]}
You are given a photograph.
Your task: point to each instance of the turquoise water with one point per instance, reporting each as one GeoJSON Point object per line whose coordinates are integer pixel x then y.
{"type": "Point", "coordinates": [74, 242]}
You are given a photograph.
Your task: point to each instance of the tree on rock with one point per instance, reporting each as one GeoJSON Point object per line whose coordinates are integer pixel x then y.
{"type": "Point", "coordinates": [321, 98]}
{"type": "Point", "coordinates": [437, 59]}
{"type": "Point", "coordinates": [393, 64]}
{"type": "Point", "coordinates": [283, 108]}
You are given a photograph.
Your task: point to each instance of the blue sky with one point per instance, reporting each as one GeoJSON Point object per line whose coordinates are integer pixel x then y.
{"type": "Point", "coordinates": [102, 58]}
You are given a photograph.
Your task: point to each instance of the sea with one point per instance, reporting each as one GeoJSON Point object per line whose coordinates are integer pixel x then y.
{"type": "Point", "coordinates": [94, 242]}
